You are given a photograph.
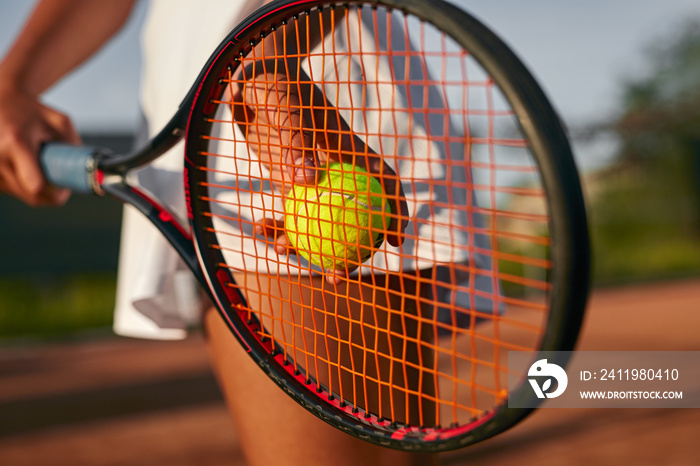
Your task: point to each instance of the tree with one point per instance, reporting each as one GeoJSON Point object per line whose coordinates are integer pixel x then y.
{"type": "Point", "coordinates": [646, 211]}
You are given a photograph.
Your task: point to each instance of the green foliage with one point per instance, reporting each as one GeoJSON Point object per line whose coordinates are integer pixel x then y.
{"type": "Point", "coordinates": [42, 308]}
{"type": "Point", "coordinates": [645, 209]}
{"type": "Point", "coordinates": [640, 230]}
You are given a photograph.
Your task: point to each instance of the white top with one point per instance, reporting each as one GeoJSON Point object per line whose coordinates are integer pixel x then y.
{"type": "Point", "coordinates": [157, 297]}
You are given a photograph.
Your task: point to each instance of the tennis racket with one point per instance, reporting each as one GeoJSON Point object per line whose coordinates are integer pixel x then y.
{"type": "Point", "coordinates": [483, 250]}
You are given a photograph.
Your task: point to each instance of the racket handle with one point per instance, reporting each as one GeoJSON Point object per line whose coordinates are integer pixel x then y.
{"type": "Point", "coordinates": [70, 166]}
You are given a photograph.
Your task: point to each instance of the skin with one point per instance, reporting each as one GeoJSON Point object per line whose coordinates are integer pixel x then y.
{"type": "Point", "coordinates": [58, 37]}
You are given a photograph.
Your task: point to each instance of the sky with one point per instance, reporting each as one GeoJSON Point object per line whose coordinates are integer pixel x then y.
{"type": "Point", "coordinates": [580, 52]}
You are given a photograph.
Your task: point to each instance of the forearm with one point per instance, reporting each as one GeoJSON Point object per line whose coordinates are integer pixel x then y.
{"type": "Point", "coordinates": [58, 37]}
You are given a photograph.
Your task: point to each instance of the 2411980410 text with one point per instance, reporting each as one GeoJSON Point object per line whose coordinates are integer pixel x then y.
{"type": "Point", "coordinates": [630, 374]}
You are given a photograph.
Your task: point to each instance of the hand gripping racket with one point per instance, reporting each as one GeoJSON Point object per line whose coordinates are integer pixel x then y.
{"type": "Point", "coordinates": [483, 250]}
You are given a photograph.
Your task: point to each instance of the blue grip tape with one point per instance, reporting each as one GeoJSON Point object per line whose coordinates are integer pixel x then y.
{"type": "Point", "coordinates": [66, 166]}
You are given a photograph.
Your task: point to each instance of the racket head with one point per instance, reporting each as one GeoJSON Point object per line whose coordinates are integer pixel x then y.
{"type": "Point", "coordinates": [525, 219]}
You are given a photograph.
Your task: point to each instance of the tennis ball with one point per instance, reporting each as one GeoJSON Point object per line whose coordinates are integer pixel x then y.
{"type": "Point", "coordinates": [336, 223]}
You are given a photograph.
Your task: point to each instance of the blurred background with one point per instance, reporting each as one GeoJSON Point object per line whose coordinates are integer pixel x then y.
{"type": "Point", "coordinates": [624, 75]}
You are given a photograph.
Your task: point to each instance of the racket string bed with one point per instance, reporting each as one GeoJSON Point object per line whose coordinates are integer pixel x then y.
{"type": "Point", "coordinates": [332, 347]}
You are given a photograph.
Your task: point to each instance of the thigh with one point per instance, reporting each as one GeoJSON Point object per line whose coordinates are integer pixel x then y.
{"type": "Point", "coordinates": [370, 349]}
{"type": "Point", "coordinates": [367, 340]}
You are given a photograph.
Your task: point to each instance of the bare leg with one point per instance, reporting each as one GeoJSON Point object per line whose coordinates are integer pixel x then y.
{"type": "Point", "coordinates": [273, 429]}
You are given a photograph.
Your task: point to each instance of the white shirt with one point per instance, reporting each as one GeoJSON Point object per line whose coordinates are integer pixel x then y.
{"type": "Point", "coordinates": [157, 297]}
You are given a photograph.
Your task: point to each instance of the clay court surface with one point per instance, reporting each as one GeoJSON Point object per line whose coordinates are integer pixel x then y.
{"type": "Point", "coordinates": [129, 402]}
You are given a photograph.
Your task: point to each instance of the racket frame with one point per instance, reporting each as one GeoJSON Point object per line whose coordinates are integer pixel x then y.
{"type": "Point", "coordinates": [570, 251]}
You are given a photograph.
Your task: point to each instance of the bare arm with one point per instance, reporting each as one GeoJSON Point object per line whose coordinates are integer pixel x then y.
{"type": "Point", "coordinates": [58, 37]}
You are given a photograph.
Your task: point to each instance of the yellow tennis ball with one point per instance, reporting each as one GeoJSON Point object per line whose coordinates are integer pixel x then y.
{"type": "Point", "coordinates": [336, 223]}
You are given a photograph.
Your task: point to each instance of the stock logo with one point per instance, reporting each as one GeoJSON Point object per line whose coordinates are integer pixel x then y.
{"type": "Point", "coordinates": [541, 369]}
